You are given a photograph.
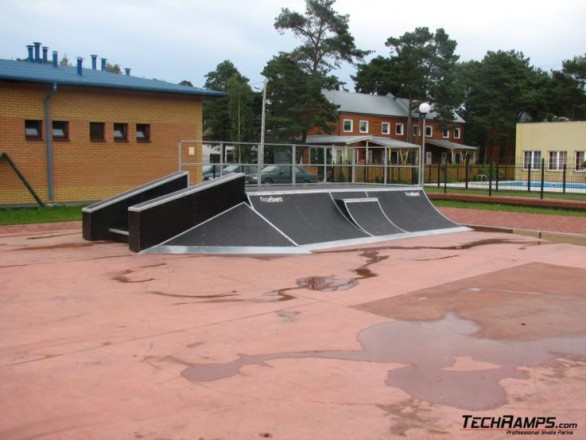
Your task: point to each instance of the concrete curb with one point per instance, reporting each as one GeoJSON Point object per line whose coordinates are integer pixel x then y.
{"type": "Point", "coordinates": [558, 237]}
{"type": "Point", "coordinates": [576, 205]}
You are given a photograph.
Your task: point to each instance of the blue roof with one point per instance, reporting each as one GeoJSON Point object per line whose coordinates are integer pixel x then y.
{"type": "Point", "coordinates": [67, 75]}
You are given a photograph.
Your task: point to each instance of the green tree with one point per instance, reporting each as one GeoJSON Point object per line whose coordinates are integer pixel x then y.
{"type": "Point", "coordinates": [113, 68]}
{"type": "Point", "coordinates": [240, 109]}
{"type": "Point", "coordinates": [423, 68]}
{"type": "Point", "coordinates": [297, 78]}
{"type": "Point", "coordinates": [295, 101]}
{"type": "Point", "coordinates": [501, 90]}
{"type": "Point", "coordinates": [325, 35]}
{"type": "Point", "coordinates": [567, 93]}
{"type": "Point", "coordinates": [216, 114]}
{"type": "Point", "coordinates": [374, 78]}
{"type": "Point", "coordinates": [64, 61]}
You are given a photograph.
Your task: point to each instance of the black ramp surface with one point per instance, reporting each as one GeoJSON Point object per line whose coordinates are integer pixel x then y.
{"type": "Point", "coordinates": [150, 223]}
{"type": "Point", "coordinates": [306, 217]}
{"type": "Point", "coordinates": [369, 216]}
{"type": "Point", "coordinates": [99, 217]}
{"type": "Point", "coordinates": [411, 210]}
{"type": "Point", "coordinates": [239, 226]}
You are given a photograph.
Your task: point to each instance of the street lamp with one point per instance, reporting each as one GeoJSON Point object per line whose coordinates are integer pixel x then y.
{"type": "Point", "coordinates": [424, 109]}
{"type": "Point", "coordinates": [261, 147]}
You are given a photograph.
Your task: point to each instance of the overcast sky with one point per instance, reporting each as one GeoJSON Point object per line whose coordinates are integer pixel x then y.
{"type": "Point", "coordinates": [177, 40]}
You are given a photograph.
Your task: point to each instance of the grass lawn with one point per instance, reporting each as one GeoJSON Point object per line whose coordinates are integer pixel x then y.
{"type": "Point", "coordinates": [16, 216]}
{"type": "Point", "coordinates": [19, 216]}
{"type": "Point", "coordinates": [507, 208]}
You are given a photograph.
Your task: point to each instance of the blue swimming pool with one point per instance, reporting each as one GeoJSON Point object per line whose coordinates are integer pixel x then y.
{"type": "Point", "coordinates": [537, 184]}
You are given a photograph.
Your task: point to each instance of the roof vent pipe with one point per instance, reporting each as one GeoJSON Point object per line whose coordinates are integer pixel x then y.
{"type": "Point", "coordinates": [30, 48]}
{"type": "Point", "coordinates": [37, 52]}
{"type": "Point", "coordinates": [104, 63]}
{"type": "Point", "coordinates": [45, 51]}
{"type": "Point", "coordinates": [79, 66]}
{"type": "Point", "coordinates": [55, 58]}
{"type": "Point", "coordinates": [127, 69]}
{"type": "Point", "coordinates": [94, 62]}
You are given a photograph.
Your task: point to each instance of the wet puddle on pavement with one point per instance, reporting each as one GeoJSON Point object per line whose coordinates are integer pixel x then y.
{"type": "Point", "coordinates": [333, 283]}
{"type": "Point", "coordinates": [443, 360]}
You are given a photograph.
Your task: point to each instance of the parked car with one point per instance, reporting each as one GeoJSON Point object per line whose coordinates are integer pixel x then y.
{"type": "Point", "coordinates": [282, 174]}
{"type": "Point", "coordinates": [211, 171]}
{"type": "Point", "coordinates": [248, 170]}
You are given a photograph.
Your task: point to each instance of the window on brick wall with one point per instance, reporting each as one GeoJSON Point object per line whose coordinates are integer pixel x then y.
{"type": "Point", "coordinates": [143, 132]}
{"type": "Point", "coordinates": [347, 125]}
{"type": "Point", "coordinates": [60, 130]}
{"type": "Point", "coordinates": [385, 128]}
{"type": "Point", "coordinates": [97, 131]}
{"type": "Point", "coordinates": [363, 126]}
{"type": "Point", "coordinates": [33, 129]}
{"type": "Point", "coordinates": [120, 131]}
{"type": "Point", "coordinates": [457, 133]}
{"type": "Point", "coordinates": [446, 134]}
{"type": "Point", "coordinates": [399, 129]}
{"type": "Point", "coordinates": [428, 131]}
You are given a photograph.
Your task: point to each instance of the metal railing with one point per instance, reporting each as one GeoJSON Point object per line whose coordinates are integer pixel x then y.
{"type": "Point", "coordinates": [380, 165]}
{"type": "Point", "coordinates": [326, 164]}
{"type": "Point", "coordinates": [497, 179]}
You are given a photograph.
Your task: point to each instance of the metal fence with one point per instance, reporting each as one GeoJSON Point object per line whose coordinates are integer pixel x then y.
{"type": "Point", "coordinates": [497, 179]}
{"type": "Point", "coordinates": [300, 164]}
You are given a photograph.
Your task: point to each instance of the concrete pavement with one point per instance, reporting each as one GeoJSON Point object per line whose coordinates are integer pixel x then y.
{"type": "Point", "coordinates": [430, 337]}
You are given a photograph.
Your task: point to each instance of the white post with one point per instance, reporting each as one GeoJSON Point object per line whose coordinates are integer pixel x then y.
{"type": "Point", "coordinates": [261, 147]}
{"type": "Point", "coordinates": [424, 109]}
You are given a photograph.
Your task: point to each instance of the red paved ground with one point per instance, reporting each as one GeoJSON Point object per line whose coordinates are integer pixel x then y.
{"type": "Point", "coordinates": [536, 222]}
{"type": "Point", "coordinates": [399, 339]}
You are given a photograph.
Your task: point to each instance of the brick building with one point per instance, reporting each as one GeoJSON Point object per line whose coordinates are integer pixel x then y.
{"type": "Point", "coordinates": [80, 134]}
{"type": "Point", "coordinates": [370, 124]}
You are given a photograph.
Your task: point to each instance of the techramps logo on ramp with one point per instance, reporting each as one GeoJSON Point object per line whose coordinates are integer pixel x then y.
{"type": "Point", "coordinates": [271, 199]}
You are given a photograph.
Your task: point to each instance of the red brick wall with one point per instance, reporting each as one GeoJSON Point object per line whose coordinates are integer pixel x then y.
{"type": "Point", "coordinates": [84, 170]}
{"type": "Point", "coordinates": [375, 126]}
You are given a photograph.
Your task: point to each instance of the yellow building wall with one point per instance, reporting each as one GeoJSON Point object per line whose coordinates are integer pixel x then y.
{"type": "Point", "coordinates": [551, 136]}
{"type": "Point", "coordinates": [85, 170]}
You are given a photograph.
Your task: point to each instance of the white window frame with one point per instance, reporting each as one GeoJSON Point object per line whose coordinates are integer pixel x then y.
{"type": "Point", "coordinates": [556, 160]}
{"type": "Point", "coordinates": [446, 133]}
{"type": "Point", "coordinates": [457, 133]}
{"type": "Point", "coordinates": [428, 131]}
{"type": "Point", "coordinates": [415, 130]}
{"type": "Point", "coordinates": [534, 157]}
{"type": "Point", "coordinates": [351, 122]}
{"type": "Point", "coordinates": [385, 128]}
{"type": "Point", "coordinates": [363, 126]}
{"type": "Point", "coordinates": [399, 129]}
{"type": "Point", "coordinates": [580, 157]}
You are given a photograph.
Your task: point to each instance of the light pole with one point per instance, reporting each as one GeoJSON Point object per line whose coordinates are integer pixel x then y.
{"type": "Point", "coordinates": [424, 109]}
{"type": "Point", "coordinates": [261, 147]}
